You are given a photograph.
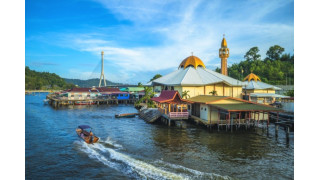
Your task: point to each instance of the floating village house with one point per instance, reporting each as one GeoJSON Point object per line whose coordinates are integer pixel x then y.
{"type": "Point", "coordinates": [213, 98]}
{"type": "Point", "coordinates": [171, 105]}
{"type": "Point", "coordinates": [260, 92]}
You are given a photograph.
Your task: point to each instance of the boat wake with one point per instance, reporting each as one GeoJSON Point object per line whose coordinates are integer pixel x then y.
{"type": "Point", "coordinates": [137, 168]}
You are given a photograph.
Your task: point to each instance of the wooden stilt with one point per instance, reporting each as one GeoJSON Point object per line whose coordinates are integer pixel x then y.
{"type": "Point", "coordinates": [268, 120]}
{"type": "Point", "coordinates": [218, 119]}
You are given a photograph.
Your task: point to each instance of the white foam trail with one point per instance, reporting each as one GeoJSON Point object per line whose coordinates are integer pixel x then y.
{"type": "Point", "coordinates": [141, 169]}
{"type": "Point", "coordinates": [112, 142]}
{"type": "Point", "coordinates": [192, 172]}
{"type": "Point", "coordinates": [94, 154]}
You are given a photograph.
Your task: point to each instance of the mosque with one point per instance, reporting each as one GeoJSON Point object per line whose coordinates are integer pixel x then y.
{"type": "Point", "coordinates": [193, 77]}
{"type": "Point", "coordinates": [212, 97]}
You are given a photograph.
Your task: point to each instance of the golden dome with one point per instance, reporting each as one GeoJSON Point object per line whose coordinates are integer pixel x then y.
{"type": "Point", "coordinates": [224, 42]}
{"type": "Point", "coordinates": [191, 61]}
{"type": "Point", "coordinates": [252, 76]}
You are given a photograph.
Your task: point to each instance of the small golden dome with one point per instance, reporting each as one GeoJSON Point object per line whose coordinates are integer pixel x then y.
{"type": "Point", "coordinates": [191, 61]}
{"type": "Point", "coordinates": [252, 76]}
{"type": "Point", "coordinates": [224, 42]}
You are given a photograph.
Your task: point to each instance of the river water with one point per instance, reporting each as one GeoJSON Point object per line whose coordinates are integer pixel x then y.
{"type": "Point", "coordinates": [130, 148]}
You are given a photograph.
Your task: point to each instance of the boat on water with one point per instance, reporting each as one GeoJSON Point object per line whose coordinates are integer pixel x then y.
{"type": "Point", "coordinates": [88, 137]}
{"type": "Point", "coordinates": [84, 103]}
{"type": "Point", "coordinates": [127, 115]}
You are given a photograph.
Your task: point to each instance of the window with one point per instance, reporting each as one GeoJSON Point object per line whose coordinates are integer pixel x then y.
{"type": "Point", "coordinates": [205, 109]}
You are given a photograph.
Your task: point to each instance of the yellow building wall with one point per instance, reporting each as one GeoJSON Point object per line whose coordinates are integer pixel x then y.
{"type": "Point", "coordinates": [214, 116]}
{"type": "Point", "coordinates": [261, 116]}
{"type": "Point", "coordinates": [208, 89]}
{"type": "Point", "coordinates": [234, 91]}
{"type": "Point", "coordinates": [194, 91]}
{"type": "Point", "coordinates": [179, 89]}
{"type": "Point", "coordinates": [270, 91]}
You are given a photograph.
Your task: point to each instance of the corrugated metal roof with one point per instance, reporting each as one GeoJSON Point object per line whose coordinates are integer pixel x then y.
{"type": "Point", "coordinates": [195, 77]}
{"type": "Point", "coordinates": [245, 107]}
{"type": "Point", "coordinates": [206, 99]}
{"type": "Point", "coordinates": [259, 85]}
{"type": "Point", "coordinates": [268, 95]}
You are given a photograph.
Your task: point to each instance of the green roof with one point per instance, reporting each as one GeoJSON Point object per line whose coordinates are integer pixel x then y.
{"type": "Point", "coordinates": [205, 98]}
{"type": "Point", "coordinates": [132, 89]}
{"type": "Point", "coordinates": [245, 107]}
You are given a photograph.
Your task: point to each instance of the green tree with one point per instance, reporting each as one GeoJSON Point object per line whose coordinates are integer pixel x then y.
{"type": "Point", "coordinates": [139, 84]}
{"type": "Point", "coordinates": [252, 54]}
{"type": "Point", "coordinates": [43, 80]}
{"type": "Point", "coordinates": [213, 92]}
{"type": "Point", "coordinates": [148, 94]}
{"type": "Point", "coordinates": [290, 93]}
{"type": "Point", "coordinates": [274, 52]}
{"type": "Point", "coordinates": [156, 77]}
{"type": "Point", "coordinates": [185, 94]}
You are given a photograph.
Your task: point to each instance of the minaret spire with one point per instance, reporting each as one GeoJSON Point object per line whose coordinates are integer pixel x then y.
{"type": "Point", "coordinates": [102, 71]}
{"type": "Point", "coordinates": [224, 54]}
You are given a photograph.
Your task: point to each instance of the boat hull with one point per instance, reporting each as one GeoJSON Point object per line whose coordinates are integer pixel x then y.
{"type": "Point", "coordinates": [85, 136]}
{"type": "Point", "coordinates": [128, 115]}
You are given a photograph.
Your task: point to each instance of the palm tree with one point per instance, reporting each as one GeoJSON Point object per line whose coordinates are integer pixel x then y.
{"type": "Point", "coordinates": [185, 94]}
{"type": "Point", "coordinates": [213, 92]}
{"type": "Point", "coordinates": [148, 94]}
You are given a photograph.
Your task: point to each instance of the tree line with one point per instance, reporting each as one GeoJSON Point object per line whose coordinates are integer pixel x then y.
{"type": "Point", "coordinates": [277, 68]}
{"type": "Point", "coordinates": [44, 81]}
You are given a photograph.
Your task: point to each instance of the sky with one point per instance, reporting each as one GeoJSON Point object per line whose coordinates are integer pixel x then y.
{"type": "Point", "coordinates": [143, 38]}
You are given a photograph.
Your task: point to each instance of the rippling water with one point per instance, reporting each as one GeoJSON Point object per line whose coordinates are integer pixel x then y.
{"type": "Point", "coordinates": [132, 149]}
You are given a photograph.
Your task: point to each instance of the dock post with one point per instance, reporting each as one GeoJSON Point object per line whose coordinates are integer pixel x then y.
{"type": "Point", "coordinates": [169, 124]}
{"type": "Point", "coordinates": [268, 120]}
{"type": "Point", "coordinates": [231, 124]}
{"type": "Point", "coordinates": [287, 133]}
{"type": "Point", "coordinates": [277, 128]}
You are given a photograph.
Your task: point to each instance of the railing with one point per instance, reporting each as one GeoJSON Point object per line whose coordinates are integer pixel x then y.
{"type": "Point", "coordinates": [179, 114]}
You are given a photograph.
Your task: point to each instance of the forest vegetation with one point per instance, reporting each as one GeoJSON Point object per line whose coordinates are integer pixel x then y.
{"type": "Point", "coordinates": [277, 68]}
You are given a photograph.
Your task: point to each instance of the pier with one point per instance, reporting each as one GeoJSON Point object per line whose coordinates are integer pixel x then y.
{"type": "Point", "coordinates": [62, 101]}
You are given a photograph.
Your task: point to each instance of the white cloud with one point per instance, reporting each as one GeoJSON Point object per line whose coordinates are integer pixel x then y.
{"type": "Point", "coordinates": [185, 27]}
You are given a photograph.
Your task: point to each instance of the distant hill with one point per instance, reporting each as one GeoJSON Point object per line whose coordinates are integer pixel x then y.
{"type": "Point", "coordinates": [44, 81]}
{"type": "Point", "coordinates": [89, 82]}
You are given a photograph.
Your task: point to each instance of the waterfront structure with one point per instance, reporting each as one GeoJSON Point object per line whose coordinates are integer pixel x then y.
{"type": "Point", "coordinates": [91, 93]}
{"type": "Point", "coordinates": [132, 89]}
{"type": "Point", "coordinates": [193, 77]}
{"type": "Point", "coordinates": [102, 71]}
{"type": "Point", "coordinates": [224, 54]}
{"type": "Point", "coordinates": [171, 105]}
{"type": "Point", "coordinates": [228, 111]}
{"type": "Point", "coordinates": [89, 96]}
{"type": "Point", "coordinates": [257, 91]}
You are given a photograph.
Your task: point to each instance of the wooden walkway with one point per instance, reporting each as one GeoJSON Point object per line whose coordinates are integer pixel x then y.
{"type": "Point", "coordinates": [57, 102]}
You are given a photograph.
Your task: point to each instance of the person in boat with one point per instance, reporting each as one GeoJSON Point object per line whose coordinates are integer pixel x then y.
{"type": "Point", "coordinates": [81, 133]}
{"type": "Point", "coordinates": [91, 137]}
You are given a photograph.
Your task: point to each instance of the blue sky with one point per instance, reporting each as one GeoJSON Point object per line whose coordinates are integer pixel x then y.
{"type": "Point", "coordinates": [142, 38]}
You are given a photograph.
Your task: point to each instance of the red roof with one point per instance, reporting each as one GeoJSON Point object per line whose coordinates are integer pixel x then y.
{"type": "Point", "coordinates": [98, 89]}
{"type": "Point", "coordinates": [167, 96]}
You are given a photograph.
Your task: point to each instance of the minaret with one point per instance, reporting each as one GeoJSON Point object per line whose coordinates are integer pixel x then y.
{"type": "Point", "coordinates": [224, 54]}
{"type": "Point", "coordinates": [102, 72]}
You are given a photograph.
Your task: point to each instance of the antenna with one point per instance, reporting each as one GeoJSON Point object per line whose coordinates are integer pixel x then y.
{"type": "Point", "coordinates": [102, 71]}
